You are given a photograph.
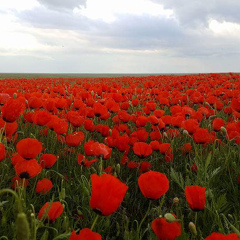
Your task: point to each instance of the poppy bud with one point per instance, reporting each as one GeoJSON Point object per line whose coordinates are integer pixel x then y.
{"type": "Point", "coordinates": [65, 224]}
{"type": "Point", "coordinates": [230, 217]}
{"type": "Point", "coordinates": [15, 95]}
{"type": "Point", "coordinates": [223, 130]}
{"type": "Point", "coordinates": [118, 168]}
{"type": "Point", "coordinates": [165, 135]}
{"type": "Point", "coordinates": [86, 191]}
{"type": "Point", "coordinates": [170, 218]}
{"type": "Point", "coordinates": [62, 194]}
{"type": "Point", "coordinates": [118, 229]}
{"type": "Point", "coordinates": [192, 228]}
{"type": "Point", "coordinates": [3, 220]}
{"type": "Point", "coordinates": [176, 200]}
{"type": "Point", "coordinates": [22, 227]}
{"type": "Point", "coordinates": [185, 132]}
{"type": "Point", "coordinates": [212, 117]}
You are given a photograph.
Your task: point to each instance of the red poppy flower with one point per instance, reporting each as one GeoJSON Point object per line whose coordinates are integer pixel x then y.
{"type": "Point", "coordinates": [4, 97]}
{"type": "Point", "coordinates": [29, 148]}
{"type": "Point", "coordinates": [51, 211]}
{"type": "Point", "coordinates": [142, 135]}
{"type": "Point", "coordinates": [186, 148]}
{"type": "Point", "coordinates": [124, 159]}
{"type": "Point", "coordinates": [164, 147]}
{"type": "Point", "coordinates": [10, 127]}
{"type": "Point", "coordinates": [190, 125]}
{"type": "Point", "coordinates": [100, 111]}
{"type": "Point", "coordinates": [235, 104]}
{"type": "Point", "coordinates": [103, 129]}
{"type": "Point", "coordinates": [202, 136]}
{"type": "Point", "coordinates": [2, 152]}
{"type": "Point", "coordinates": [74, 139]}
{"type": "Point", "coordinates": [88, 148]}
{"type": "Point", "coordinates": [41, 118]}
{"type": "Point", "coordinates": [101, 150]}
{"type": "Point", "coordinates": [145, 166]}
{"type": "Point", "coordinates": [165, 230]}
{"type": "Point", "coordinates": [133, 164]}
{"type": "Point", "coordinates": [168, 157]}
{"type": "Point", "coordinates": [82, 160]}
{"type": "Point", "coordinates": [158, 113]}
{"type": "Point", "coordinates": [196, 198]}
{"type": "Point", "coordinates": [108, 170]}
{"type": "Point", "coordinates": [141, 121]}
{"type": "Point", "coordinates": [220, 236]}
{"type": "Point", "coordinates": [75, 119]}
{"type": "Point", "coordinates": [155, 135]}
{"type": "Point", "coordinates": [49, 104]}
{"type": "Point", "coordinates": [85, 234]}
{"type": "Point", "coordinates": [60, 126]}
{"type": "Point", "coordinates": [47, 160]}
{"type": "Point", "coordinates": [122, 143]}
{"type": "Point", "coordinates": [28, 168]}
{"type": "Point", "coordinates": [154, 145]}
{"type": "Point", "coordinates": [89, 125]}
{"type": "Point", "coordinates": [217, 124]}
{"type": "Point", "coordinates": [44, 186]}
{"type": "Point", "coordinates": [153, 184]}
{"type": "Point", "coordinates": [194, 168]}
{"type": "Point", "coordinates": [142, 149]}
{"type": "Point", "coordinates": [12, 109]}
{"type": "Point", "coordinates": [107, 193]}
{"type": "Point", "coordinates": [16, 158]}
{"type": "Point", "coordinates": [35, 102]}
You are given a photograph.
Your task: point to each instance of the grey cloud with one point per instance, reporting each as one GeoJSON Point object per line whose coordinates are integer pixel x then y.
{"type": "Point", "coordinates": [131, 32]}
{"type": "Point", "coordinates": [42, 17]}
{"type": "Point", "coordinates": [62, 4]}
{"type": "Point", "coordinates": [138, 32]}
{"type": "Point", "coordinates": [198, 12]}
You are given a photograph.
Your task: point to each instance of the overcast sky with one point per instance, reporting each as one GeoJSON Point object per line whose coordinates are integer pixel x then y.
{"type": "Point", "coordinates": [119, 36]}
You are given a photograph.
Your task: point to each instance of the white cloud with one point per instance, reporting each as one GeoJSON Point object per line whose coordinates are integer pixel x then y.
{"type": "Point", "coordinates": [227, 29]}
{"type": "Point", "coordinates": [108, 10]}
{"type": "Point", "coordinates": [18, 5]}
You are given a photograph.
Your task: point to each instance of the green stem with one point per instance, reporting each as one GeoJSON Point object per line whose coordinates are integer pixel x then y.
{"type": "Point", "coordinates": [147, 212]}
{"type": "Point", "coordinates": [15, 195]}
{"type": "Point", "coordinates": [94, 222]}
{"type": "Point", "coordinates": [100, 166]}
{"type": "Point", "coordinates": [196, 215]}
{"type": "Point", "coordinates": [33, 224]}
{"type": "Point", "coordinates": [161, 204]}
{"type": "Point", "coordinates": [4, 237]}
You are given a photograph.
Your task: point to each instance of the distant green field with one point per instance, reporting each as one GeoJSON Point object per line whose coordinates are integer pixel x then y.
{"type": "Point", "coordinates": [83, 75]}
{"type": "Point", "coordinates": [66, 75]}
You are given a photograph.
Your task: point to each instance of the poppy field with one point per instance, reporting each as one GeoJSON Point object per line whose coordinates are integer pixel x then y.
{"type": "Point", "coordinates": [144, 157]}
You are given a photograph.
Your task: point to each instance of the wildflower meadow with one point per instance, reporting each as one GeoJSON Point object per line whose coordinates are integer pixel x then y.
{"type": "Point", "coordinates": [131, 158]}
